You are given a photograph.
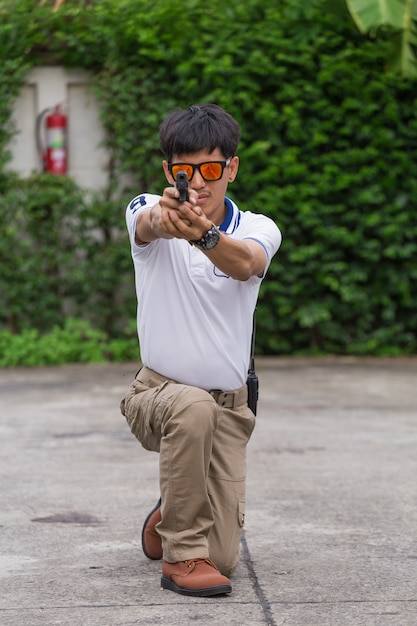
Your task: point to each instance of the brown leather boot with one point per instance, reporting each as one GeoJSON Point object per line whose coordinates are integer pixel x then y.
{"type": "Point", "coordinates": [196, 577]}
{"type": "Point", "coordinates": [151, 541]}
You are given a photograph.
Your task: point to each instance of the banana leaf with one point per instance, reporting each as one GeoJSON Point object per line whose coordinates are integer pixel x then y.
{"type": "Point", "coordinates": [401, 15]}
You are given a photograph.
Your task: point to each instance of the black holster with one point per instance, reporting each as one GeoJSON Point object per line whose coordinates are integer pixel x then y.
{"type": "Point", "coordinates": [253, 390]}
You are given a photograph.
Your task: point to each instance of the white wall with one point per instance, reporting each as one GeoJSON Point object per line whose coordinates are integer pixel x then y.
{"type": "Point", "coordinates": [46, 87]}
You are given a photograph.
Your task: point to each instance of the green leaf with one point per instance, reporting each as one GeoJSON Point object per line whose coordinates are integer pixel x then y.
{"type": "Point", "coordinates": [370, 14]}
{"type": "Point", "coordinates": [401, 16]}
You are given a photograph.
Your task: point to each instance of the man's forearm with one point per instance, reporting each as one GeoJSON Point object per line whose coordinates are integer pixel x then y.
{"type": "Point", "coordinates": [238, 259]}
{"type": "Point", "coordinates": [148, 227]}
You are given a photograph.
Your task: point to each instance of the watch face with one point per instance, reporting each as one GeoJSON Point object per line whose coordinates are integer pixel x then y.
{"type": "Point", "coordinates": [210, 239]}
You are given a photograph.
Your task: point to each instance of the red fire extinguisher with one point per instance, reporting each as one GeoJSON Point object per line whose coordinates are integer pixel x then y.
{"type": "Point", "coordinates": [51, 137]}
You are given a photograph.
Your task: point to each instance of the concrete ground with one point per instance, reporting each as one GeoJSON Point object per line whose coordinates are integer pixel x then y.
{"type": "Point", "coordinates": [331, 524]}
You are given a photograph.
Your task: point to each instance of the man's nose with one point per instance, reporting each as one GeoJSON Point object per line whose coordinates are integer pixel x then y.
{"type": "Point", "coordinates": [197, 181]}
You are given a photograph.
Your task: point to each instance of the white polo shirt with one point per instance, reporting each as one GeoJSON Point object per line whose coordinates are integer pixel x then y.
{"type": "Point", "coordinates": [195, 322]}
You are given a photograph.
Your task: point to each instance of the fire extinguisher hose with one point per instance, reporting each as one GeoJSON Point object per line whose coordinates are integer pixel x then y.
{"type": "Point", "coordinates": [40, 144]}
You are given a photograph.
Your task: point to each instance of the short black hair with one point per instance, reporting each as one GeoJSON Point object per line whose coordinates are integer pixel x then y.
{"type": "Point", "coordinates": [199, 127]}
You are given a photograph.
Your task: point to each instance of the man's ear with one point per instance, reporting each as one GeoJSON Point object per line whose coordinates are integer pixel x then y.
{"type": "Point", "coordinates": [167, 173]}
{"type": "Point", "coordinates": [233, 168]}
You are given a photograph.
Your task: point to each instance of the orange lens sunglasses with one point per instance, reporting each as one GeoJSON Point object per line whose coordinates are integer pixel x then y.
{"type": "Point", "coordinates": [209, 170]}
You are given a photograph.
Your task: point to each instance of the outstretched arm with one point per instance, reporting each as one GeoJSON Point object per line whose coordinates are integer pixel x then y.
{"type": "Point", "coordinates": [168, 219]}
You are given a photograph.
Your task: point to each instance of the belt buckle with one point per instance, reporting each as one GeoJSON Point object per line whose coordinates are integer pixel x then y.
{"type": "Point", "coordinates": [215, 394]}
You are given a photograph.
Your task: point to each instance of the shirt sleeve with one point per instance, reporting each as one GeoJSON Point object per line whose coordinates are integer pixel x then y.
{"type": "Point", "coordinates": [139, 203]}
{"type": "Point", "coordinates": [264, 231]}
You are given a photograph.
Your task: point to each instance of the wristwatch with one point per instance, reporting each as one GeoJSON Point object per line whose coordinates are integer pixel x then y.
{"type": "Point", "coordinates": [209, 240]}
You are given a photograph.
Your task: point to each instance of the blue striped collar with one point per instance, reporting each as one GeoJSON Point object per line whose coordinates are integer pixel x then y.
{"type": "Point", "coordinates": [232, 218]}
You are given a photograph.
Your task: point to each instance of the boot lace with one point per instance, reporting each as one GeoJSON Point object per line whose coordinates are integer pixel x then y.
{"type": "Point", "coordinates": [191, 563]}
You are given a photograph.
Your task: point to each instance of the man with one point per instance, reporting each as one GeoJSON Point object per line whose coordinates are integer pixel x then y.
{"type": "Point", "coordinates": [198, 267]}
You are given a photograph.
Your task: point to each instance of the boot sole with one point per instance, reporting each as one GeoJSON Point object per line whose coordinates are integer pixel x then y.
{"type": "Point", "coordinates": [167, 583]}
{"type": "Point", "coordinates": [153, 558]}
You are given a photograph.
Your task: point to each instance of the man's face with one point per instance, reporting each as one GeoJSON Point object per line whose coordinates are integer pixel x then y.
{"type": "Point", "coordinates": [211, 193]}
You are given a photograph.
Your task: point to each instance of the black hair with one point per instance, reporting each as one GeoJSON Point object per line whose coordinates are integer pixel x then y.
{"type": "Point", "coordinates": [200, 127]}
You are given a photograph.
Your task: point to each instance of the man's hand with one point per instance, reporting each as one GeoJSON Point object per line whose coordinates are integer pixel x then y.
{"type": "Point", "coordinates": [183, 220]}
{"type": "Point", "coordinates": [170, 218]}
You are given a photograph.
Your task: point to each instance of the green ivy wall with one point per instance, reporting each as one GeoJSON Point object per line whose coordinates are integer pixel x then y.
{"type": "Point", "coordinates": [329, 151]}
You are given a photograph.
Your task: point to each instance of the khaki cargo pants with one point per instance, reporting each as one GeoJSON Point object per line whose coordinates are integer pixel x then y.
{"type": "Point", "coordinates": [201, 438]}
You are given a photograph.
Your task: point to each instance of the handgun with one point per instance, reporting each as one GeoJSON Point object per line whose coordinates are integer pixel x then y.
{"type": "Point", "coordinates": [181, 183]}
